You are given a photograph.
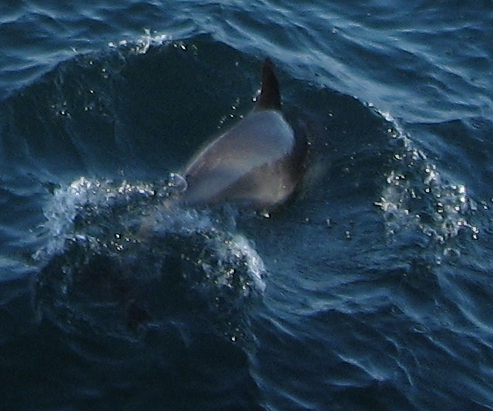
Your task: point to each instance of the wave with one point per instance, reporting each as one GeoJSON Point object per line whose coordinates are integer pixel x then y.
{"type": "Point", "coordinates": [122, 249]}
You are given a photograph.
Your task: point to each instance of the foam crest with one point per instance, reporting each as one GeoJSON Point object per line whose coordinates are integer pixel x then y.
{"type": "Point", "coordinates": [72, 208]}
{"type": "Point", "coordinates": [135, 254]}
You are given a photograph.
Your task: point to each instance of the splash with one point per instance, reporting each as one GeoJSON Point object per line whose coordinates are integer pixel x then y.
{"type": "Point", "coordinates": [417, 195]}
{"type": "Point", "coordinates": [123, 254]}
{"type": "Point", "coordinates": [142, 44]}
{"type": "Point", "coordinates": [72, 209]}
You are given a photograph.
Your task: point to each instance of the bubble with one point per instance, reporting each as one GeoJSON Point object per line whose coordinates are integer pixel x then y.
{"type": "Point", "coordinates": [117, 254]}
{"type": "Point", "coordinates": [417, 197]}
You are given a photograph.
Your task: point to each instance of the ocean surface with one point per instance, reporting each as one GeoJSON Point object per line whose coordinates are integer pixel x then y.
{"type": "Point", "coordinates": [371, 290]}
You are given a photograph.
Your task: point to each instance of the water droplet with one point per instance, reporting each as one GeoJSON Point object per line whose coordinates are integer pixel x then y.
{"type": "Point", "coordinates": [176, 184]}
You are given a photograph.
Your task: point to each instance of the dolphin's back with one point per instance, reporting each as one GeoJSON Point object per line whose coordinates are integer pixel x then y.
{"type": "Point", "coordinates": [256, 163]}
{"type": "Point", "coordinates": [222, 170]}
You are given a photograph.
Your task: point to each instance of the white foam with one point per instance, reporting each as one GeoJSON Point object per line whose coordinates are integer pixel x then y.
{"type": "Point", "coordinates": [138, 212]}
{"type": "Point", "coordinates": [239, 247]}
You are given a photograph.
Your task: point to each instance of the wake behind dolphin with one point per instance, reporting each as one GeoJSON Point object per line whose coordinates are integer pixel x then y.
{"type": "Point", "coordinates": [257, 163]}
{"type": "Point", "coordinates": [123, 257]}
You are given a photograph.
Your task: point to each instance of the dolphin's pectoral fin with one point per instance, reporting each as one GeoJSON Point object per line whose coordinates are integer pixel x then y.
{"type": "Point", "coordinates": [270, 97]}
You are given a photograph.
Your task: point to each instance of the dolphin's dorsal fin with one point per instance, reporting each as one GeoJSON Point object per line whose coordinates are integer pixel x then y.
{"type": "Point", "coordinates": [270, 98]}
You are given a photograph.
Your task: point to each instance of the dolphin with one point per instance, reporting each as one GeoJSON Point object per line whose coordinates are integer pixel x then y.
{"type": "Point", "coordinates": [258, 163]}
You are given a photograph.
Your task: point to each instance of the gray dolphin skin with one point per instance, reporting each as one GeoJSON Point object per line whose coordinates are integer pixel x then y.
{"type": "Point", "coordinates": [257, 163]}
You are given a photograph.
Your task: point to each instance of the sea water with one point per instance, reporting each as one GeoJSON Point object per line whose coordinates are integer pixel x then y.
{"type": "Point", "coordinates": [372, 290]}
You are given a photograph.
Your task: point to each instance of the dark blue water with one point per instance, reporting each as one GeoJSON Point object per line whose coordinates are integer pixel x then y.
{"type": "Point", "coordinates": [372, 290]}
